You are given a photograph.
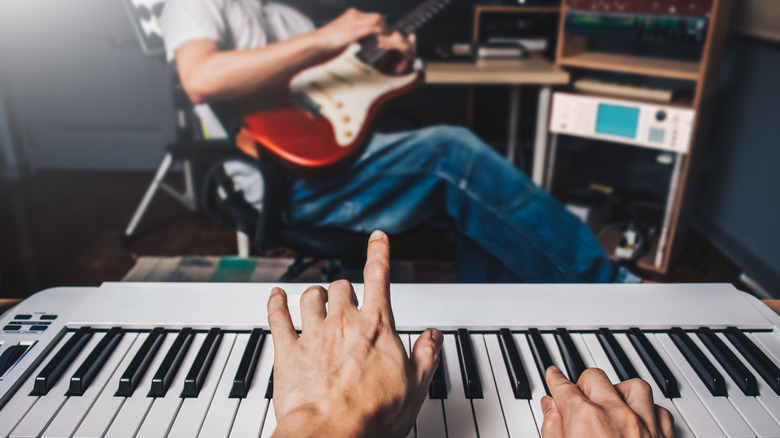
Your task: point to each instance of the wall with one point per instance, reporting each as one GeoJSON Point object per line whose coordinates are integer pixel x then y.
{"type": "Point", "coordinates": [738, 204]}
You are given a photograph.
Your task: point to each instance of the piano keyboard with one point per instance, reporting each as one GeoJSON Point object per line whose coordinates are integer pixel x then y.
{"type": "Point", "coordinates": [188, 360]}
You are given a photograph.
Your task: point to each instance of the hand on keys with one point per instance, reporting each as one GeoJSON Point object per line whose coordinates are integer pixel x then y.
{"type": "Point", "coordinates": [595, 408]}
{"type": "Point", "coordinates": [348, 374]}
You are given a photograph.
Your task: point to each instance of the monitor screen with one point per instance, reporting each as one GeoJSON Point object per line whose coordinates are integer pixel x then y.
{"type": "Point", "coordinates": [617, 120]}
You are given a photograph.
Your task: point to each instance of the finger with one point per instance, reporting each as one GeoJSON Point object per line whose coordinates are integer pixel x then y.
{"type": "Point", "coordinates": [279, 320]}
{"type": "Point", "coordinates": [567, 395]}
{"type": "Point", "coordinates": [595, 385]}
{"type": "Point", "coordinates": [425, 356]}
{"type": "Point", "coordinates": [665, 421]}
{"type": "Point", "coordinates": [341, 297]}
{"type": "Point", "coordinates": [639, 397]}
{"type": "Point", "coordinates": [552, 427]}
{"type": "Point", "coordinates": [313, 302]}
{"type": "Point", "coordinates": [376, 276]}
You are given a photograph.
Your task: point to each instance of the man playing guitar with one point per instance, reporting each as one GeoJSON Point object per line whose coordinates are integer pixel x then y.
{"type": "Point", "coordinates": [507, 229]}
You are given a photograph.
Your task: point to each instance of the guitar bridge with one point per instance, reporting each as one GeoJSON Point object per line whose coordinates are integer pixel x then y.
{"type": "Point", "coordinates": [304, 102]}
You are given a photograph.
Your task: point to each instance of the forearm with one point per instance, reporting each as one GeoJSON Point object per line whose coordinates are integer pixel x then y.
{"type": "Point", "coordinates": [221, 75]}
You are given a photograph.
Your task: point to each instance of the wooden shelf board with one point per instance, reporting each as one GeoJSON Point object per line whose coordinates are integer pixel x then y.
{"type": "Point", "coordinates": [667, 68]}
{"type": "Point", "coordinates": [519, 9]}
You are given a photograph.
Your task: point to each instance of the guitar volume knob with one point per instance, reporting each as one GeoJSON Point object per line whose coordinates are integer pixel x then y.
{"type": "Point", "coordinates": [345, 119]}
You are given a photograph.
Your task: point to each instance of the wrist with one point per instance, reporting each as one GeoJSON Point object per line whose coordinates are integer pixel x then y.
{"type": "Point", "coordinates": [313, 421]}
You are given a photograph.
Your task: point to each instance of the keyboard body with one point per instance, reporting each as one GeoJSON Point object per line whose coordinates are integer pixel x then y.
{"type": "Point", "coordinates": [44, 323]}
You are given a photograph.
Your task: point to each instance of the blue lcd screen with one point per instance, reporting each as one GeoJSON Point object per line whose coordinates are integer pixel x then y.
{"type": "Point", "coordinates": [617, 120]}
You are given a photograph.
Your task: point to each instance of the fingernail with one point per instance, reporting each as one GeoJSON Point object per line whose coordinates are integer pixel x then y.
{"type": "Point", "coordinates": [554, 369]}
{"type": "Point", "coordinates": [437, 337]}
{"type": "Point", "coordinates": [376, 235]}
{"type": "Point", "coordinates": [276, 291]}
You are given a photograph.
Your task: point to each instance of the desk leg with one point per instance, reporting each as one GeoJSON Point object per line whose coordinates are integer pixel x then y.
{"type": "Point", "coordinates": [540, 143]}
{"type": "Point", "coordinates": [671, 201]}
{"type": "Point", "coordinates": [513, 142]}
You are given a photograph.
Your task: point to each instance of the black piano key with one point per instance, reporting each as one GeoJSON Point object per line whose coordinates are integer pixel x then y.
{"type": "Point", "coordinates": [84, 375]}
{"type": "Point", "coordinates": [52, 372]}
{"type": "Point", "coordinates": [140, 363]}
{"type": "Point", "coordinates": [707, 372]}
{"type": "Point", "coordinates": [755, 357]}
{"type": "Point", "coordinates": [657, 367]}
{"type": "Point", "coordinates": [202, 365]}
{"type": "Point", "coordinates": [744, 379]}
{"type": "Point", "coordinates": [472, 384]}
{"type": "Point", "coordinates": [163, 378]}
{"type": "Point", "coordinates": [10, 356]}
{"type": "Point", "coordinates": [269, 390]}
{"type": "Point", "coordinates": [617, 357]}
{"type": "Point", "coordinates": [246, 369]}
{"type": "Point", "coordinates": [438, 388]}
{"type": "Point", "coordinates": [571, 356]}
{"type": "Point", "coordinates": [541, 355]}
{"type": "Point", "coordinates": [514, 365]}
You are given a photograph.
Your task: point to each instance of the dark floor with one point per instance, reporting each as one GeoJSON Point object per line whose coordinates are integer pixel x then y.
{"type": "Point", "coordinates": [64, 228]}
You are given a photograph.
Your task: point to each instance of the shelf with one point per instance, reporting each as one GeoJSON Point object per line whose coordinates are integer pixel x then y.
{"type": "Point", "coordinates": [609, 237]}
{"type": "Point", "coordinates": [519, 9]}
{"type": "Point", "coordinates": [667, 68]}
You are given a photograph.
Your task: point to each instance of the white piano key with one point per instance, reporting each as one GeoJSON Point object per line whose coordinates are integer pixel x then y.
{"type": "Point", "coordinates": [75, 408]}
{"type": "Point", "coordinates": [770, 342]}
{"type": "Point", "coordinates": [164, 409]}
{"type": "Point", "coordinates": [133, 411]}
{"type": "Point", "coordinates": [106, 406]}
{"type": "Point", "coordinates": [767, 397]}
{"type": "Point", "coordinates": [252, 409]}
{"type": "Point", "coordinates": [430, 421]}
{"type": "Point", "coordinates": [13, 412]}
{"type": "Point", "coordinates": [406, 340]}
{"type": "Point", "coordinates": [749, 407]}
{"type": "Point", "coordinates": [44, 410]}
{"type": "Point", "coordinates": [555, 354]}
{"type": "Point", "coordinates": [457, 408]}
{"type": "Point", "coordinates": [680, 427]}
{"type": "Point", "coordinates": [720, 408]}
{"type": "Point", "coordinates": [223, 408]}
{"type": "Point", "coordinates": [599, 356]}
{"type": "Point", "coordinates": [517, 412]}
{"type": "Point", "coordinates": [190, 418]}
{"type": "Point", "coordinates": [269, 426]}
{"type": "Point", "coordinates": [688, 404]}
{"type": "Point", "coordinates": [579, 342]}
{"type": "Point", "coordinates": [534, 379]}
{"type": "Point", "coordinates": [487, 410]}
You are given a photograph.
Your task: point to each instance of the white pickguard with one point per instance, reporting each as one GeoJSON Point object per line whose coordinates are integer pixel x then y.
{"type": "Point", "coordinates": [345, 88]}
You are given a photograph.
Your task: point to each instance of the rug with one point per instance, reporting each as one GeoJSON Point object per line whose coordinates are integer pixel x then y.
{"type": "Point", "coordinates": [266, 269]}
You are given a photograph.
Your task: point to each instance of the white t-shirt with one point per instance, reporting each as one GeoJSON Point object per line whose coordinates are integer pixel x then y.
{"type": "Point", "coordinates": [234, 24]}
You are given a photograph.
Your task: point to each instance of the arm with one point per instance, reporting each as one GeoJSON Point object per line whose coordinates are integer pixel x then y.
{"type": "Point", "coordinates": [348, 374]}
{"type": "Point", "coordinates": [208, 74]}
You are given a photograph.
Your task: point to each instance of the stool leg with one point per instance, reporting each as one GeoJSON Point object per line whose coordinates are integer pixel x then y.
{"type": "Point", "coordinates": [243, 244]}
{"type": "Point", "coordinates": [148, 196]}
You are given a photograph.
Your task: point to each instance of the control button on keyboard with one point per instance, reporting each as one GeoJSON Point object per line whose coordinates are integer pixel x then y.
{"type": "Point", "coordinates": [659, 370]}
{"type": "Point", "coordinates": [246, 368]}
{"type": "Point", "coordinates": [12, 328]}
{"type": "Point", "coordinates": [703, 368]}
{"type": "Point", "coordinates": [137, 368]}
{"type": "Point", "coordinates": [757, 359]}
{"type": "Point", "coordinates": [514, 365]}
{"type": "Point", "coordinates": [617, 357]}
{"type": "Point", "coordinates": [10, 356]}
{"type": "Point", "coordinates": [200, 368]}
{"type": "Point", "coordinates": [39, 328]}
{"type": "Point", "coordinates": [571, 357]}
{"type": "Point", "coordinates": [170, 365]}
{"type": "Point", "coordinates": [22, 316]}
{"type": "Point", "coordinates": [541, 355]}
{"type": "Point", "coordinates": [468, 365]}
{"type": "Point", "coordinates": [61, 361]}
{"type": "Point", "coordinates": [48, 317]}
{"type": "Point", "coordinates": [86, 373]}
{"type": "Point", "coordinates": [744, 379]}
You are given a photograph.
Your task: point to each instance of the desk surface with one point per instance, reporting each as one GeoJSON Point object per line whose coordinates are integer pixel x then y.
{"type": "Point", "coordinates": [528, 71]}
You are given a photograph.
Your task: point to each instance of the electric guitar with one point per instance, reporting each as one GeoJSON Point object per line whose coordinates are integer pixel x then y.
{"type": "Point", "coordinates": [324, 114]}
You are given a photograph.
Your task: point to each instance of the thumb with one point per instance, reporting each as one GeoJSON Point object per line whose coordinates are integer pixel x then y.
{"type": "Point", "coordinates": [552, 427]}
{"type": "Point", "coordinates": [425, 355]}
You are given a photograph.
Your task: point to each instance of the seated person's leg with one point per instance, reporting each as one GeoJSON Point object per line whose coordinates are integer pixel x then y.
{"type": "Point", "coordinates": [406, 179]}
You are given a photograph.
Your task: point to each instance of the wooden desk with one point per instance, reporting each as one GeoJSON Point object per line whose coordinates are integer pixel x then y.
{"type": "Point", "coordinates": [515, 73]}
{"type": "Point", "coordinates": [773, 304]}
{"type": "Point", "coordinates": [6, 304]}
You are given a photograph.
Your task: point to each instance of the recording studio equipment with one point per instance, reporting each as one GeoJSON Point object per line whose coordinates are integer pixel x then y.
{"type": "Point", "coordinates": [187, 360]}
{"type": "Point", "coordinates": [664, 127]}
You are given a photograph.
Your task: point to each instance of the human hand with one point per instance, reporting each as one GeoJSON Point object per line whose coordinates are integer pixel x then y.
{"type": "Point", "coordinates": [403, 46]}
{"type": "Point", "coordinates": [595, 408]}
{"type": "Point", "coordinates": [350, 27]}
{"type": "Point", "coordinates": [347, 374]}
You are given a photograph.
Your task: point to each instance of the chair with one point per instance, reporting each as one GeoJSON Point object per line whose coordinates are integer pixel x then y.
{"type": "Point", "coordinates": [205, 180]}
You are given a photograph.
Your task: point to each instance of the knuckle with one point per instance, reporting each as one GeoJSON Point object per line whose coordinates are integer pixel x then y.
{"type": "Point", "coordinates": [376, 269]}
{"type": "Point", "coordinates": [313, 292]}
{"type": "Point", "coordinates": [340, 286]}
{"type": "Point", "coordinates": [638, 385]}
{"type": "Point", "coordinates": [591, 373]}
{"type": "Point", "coordinates": [277, 316]}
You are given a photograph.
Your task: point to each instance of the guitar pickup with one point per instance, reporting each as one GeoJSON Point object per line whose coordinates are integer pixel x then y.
{"type": "Point", "coordinates": [304, 102]}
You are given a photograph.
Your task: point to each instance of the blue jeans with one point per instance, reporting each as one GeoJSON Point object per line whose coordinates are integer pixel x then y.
{"type": "Point", "coordinates": [507, 229]}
